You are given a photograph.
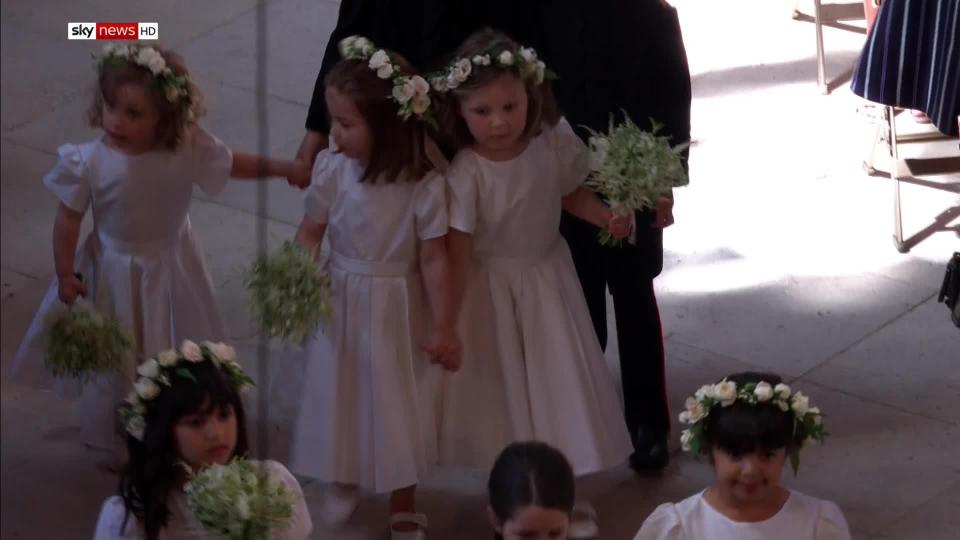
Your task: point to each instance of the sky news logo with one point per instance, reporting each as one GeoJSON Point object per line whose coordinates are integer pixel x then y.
{"type": "Point", "coordinates": [113, 30]}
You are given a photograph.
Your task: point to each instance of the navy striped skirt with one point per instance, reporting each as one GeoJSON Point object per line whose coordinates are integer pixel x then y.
{"type": "Point", "coordinates": [912, 60]}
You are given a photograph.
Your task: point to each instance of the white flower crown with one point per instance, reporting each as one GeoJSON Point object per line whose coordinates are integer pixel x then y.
{"type": "Point", "coordinates": [158, 372]}
{"type": "Point", "coordinates": [523, 61]}
{"type": "Point", "coordinates": [410, 92]}
{"type": "Point", "coordinates": [176, 88]}
{"type": "Point", "coordinates": [807, 423]}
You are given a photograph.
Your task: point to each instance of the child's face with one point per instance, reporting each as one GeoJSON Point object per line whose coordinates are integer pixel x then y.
{"type": "Point", "coordinates": [748, 478]}
{"type": "Point", "coordinates": [496, 115]}
{"type": "Point", "coordinates": [207, 438]}
{"type": "Point", "coordinates": [348, 128]}
{"type": "Point", "coordinates": [131, 120]}
{"type": "Point", "coordinates": [533, 523]}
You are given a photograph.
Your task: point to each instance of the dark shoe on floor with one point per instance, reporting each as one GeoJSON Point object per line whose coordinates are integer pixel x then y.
{"type": "Point", "coordinates": [651, 453]}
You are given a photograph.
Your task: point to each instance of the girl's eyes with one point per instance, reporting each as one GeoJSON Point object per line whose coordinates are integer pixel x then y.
{"type": "Point", "coordinates": [481, 111]}
{"type": "Point", "coordinates": [225, 413]}
{"type": "Point", "coordinates": [509, 107]}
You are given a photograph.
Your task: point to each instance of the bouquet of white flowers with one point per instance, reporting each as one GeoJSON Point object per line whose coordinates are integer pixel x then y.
{"type": "Point", "coordinates": [289, 293]}
{"type": "Point", "coordinates": [82, 343]}
{"type": "Point", "coordinates": [632, 167]}
{"type": "Point", "coordinates": [238, 501]}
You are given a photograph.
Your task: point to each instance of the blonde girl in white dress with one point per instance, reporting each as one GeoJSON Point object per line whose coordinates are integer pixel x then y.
{"type": "Point", "coordinates": [532, 367]}
{"type": "Point", "coordinates": [363, 422]}
{"type": "Point", "coordinates": [142, 264]}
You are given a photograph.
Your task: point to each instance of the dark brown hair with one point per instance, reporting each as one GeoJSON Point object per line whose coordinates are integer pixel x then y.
{"type": "Point", "coordinates": [742, 428]}
{"type": "Point", "coordinates": [153, 469]}
{"type": "Point", "coordinates": [174, 118]}
{"type": "Point", "coordinates": [397, 146]}
{"type": "Point", "coordinates": [541, 104]}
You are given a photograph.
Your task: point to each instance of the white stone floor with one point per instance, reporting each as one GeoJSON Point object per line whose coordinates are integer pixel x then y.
{"type": "Point", "coordinates": [781, 260]}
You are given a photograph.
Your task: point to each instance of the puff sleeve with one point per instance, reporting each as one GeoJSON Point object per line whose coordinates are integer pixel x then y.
{"type": "Point", "coordinates": [462, 178]}
{"type": "Point", "coordinates": [211, 161]}
{"type": "Point", "coordinates": [319, 197]}
{"type": "Point", "coordinates": [430, 207]}
{"type": "Point", "coordinates": [68, 178]}
{"type": "Point", "coordinates": [573, 157]}
{"type": "Point", "coordinates": [831, 525]}
{"type": "Point", "coordinates": [663, 524]}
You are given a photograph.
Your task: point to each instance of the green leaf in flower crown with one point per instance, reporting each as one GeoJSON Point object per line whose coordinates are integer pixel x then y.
{"type": "Point", "coordinates": [184, 373]}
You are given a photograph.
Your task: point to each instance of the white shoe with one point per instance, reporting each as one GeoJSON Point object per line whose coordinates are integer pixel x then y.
{"type": "Point", "coordinates": [584, 525]}
{"type": "Point", "coordinates": [337, 504]}
{"type": "Point", "coordinates": [420, 520]}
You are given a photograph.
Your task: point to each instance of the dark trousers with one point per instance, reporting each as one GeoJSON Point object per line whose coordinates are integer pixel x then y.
{"type": "Point", "coordinates": [628, 271]}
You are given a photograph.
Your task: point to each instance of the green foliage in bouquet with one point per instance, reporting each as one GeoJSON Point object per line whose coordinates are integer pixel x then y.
{"type": "Point", "coordinates": [239, 501]}
{"type": "Point", "coordinates": [632, 167]}
{"type": "Point", "coordinates": [82, 343]}
{"type": "Point", "coordinates": [289, 293]}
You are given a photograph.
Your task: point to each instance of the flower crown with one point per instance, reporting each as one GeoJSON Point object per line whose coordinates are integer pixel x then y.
{"type": "Point", "coordinates": [410, 92]}
{"type": "Point", "coordinates": [807, 423]}
{"type": "Point", "coordinates": [522, 61]}
{"type": "Point", "coordinates": [176, 88]}
{"type": "Point", "coordinates": [158, 372]}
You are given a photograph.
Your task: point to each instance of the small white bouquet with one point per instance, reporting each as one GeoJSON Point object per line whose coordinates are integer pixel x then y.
{"type": "Point", "coordinates": [289, 293]}
{"type": "Point", "coordinates": [632, 167]}
{"type": "Point", "coordinates": [82, 343]}
{"type": "Point", "coordinates": [239, 501]}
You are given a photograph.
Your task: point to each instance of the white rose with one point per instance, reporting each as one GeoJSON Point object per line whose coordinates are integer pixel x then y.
{"type": "Point", "coordinates": [705, 391]}
{"type": "Point", "coordinates": [726, 392]}
{"type": "Point", "coordinates": [167, 358]}
{"type": "Point", "coordinates": [800, 404]}
{"type": "Point", "coordinates": [150, 369]}
{"type": "Point", "coordinates": [782, 404]}
{"type": "Point", "coordinates": [380, 62]}
{"type": "Point", "coordinates": [505, 58]}
{"type": "Point", "coordinates": [146, 388]}
{"type": "Point", "coordinates": [528, 54]}
{"type": "Point", "coordinates": [132, 398]}
{"type": "Point", "coordinates": [439, 84]}
{"type": "Point", "coordinates": [136, 426]}
{"type": "Point", "coordinates": [763, 391]}
{"type": "Point", "coordinates": [421, 102]}
{"type": "Point", "coordinates": [420, 84]}
{"type": "Point", "coordinates": [685, 437]}
{"type": "Point", "coordinates": [363, 45]}
{"type": "Point", "coordinates": [223, 351]}
{"type": "Point", "coordinates": [817, 418]}
{"type": "Point", "coordinates": [151, 59]}
{"type": "Point", "coordinates": [191, 351]}
{"type": "Point", "coordinates": [462, 69]}
{"type": "Point", "coordinates": [403, 91]}
{"type": "Point", "coordinates": [347, 45]}
{"type": "Point", "coordinates": [541, 72]}
{"type": "Point", "coordinates": [782, 391]}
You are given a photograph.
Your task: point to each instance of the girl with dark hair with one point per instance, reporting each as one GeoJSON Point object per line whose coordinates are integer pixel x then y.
{"type": "Point", "coordinates": [375, 194]}
{"type": "Point", "coordinates": [185, 413]}
{"type": "Point", "coordinates": [531, 493]}
{"type": "Point", "coordinates": [748, 425]}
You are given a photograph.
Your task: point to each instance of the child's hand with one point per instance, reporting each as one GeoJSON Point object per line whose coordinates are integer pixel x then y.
{"type": "Point", "coordinates": [444, 348]}
{"type": "Point", "coordinates": [299, 174]}
{"type": "Point", "coordinates": [664, 209]}
{"type": "Point", "coordinates": [69, 288]}
{"type": "Point", "coordinates": [619, 226]}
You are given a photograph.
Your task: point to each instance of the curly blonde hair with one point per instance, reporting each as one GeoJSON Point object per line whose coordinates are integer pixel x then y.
{"type": "Point", "coordinates": [174, 118]}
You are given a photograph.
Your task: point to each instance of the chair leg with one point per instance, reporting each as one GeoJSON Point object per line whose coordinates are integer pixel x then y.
{"type": "Point", "coordinates": [891, 118]}
{"type": "Point", "coordinates": [818, 23]}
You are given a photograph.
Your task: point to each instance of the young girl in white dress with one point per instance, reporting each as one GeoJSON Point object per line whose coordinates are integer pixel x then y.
{"type": "Point", "coordinates": [142, 264]}
{"type": "Point", "coordinates": [363, 422]}
{"type": "Point", "coordinates": [748, 425]}
{"type": "Point", "coordinates": [185, 409]}
{"type": "Point", "coordinates": [532, 366]}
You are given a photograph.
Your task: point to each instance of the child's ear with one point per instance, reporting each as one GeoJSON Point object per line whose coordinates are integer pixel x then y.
{"type": "Point", "coordinates": [494, 522]}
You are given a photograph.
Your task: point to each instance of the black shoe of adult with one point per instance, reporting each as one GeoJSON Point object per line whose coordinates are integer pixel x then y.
{"type": "Point", "coordinates": [651, 453]}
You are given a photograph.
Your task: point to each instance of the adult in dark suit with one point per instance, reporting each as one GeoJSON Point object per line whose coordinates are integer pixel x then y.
{"type": "Point", "coordinates": [613, 56]}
